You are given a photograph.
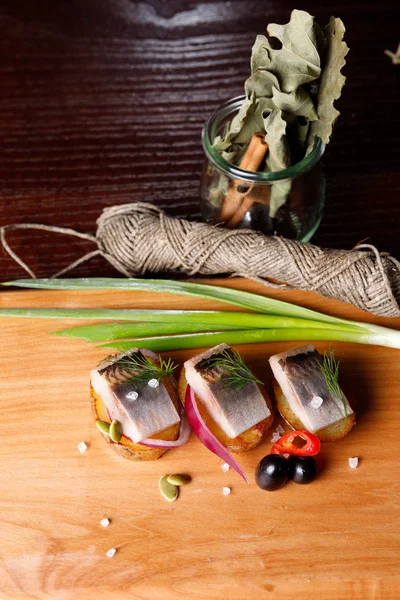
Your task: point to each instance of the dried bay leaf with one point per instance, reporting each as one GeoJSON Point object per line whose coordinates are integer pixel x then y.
{"type": "Point", "coordinates": [261, 82]}
{"type": "Point", "coordinates": [255, 119]}
{"type": "Point", "coordinates": [219, 190]}
{"type": "Point", "coordinates": [220, 144]}
{"type": "Point", "coordinates": [298, 61]}
{"type": "Point", "coordinates": [298, 36]}
{"type": "Point", "coordinates": [259, 56]}
{"type": "Point", "coordinates": [229, 156]}
{"type": "Point", "coordinates": [332, 82]}
{"type": "Point", "coordinates": [278, 158]}
{"type": "Point", "coordinates": [248, 120]}
{"type": "Point", "coordinates": [297, 103]}
{"type": "Point", "coordinates": [279, 194]}
{"type": "Point", "coordinates": [223, 143]}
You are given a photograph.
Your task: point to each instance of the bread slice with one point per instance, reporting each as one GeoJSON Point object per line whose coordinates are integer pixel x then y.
{"type": "Point", "coordinates": [126, 447]}
{"type": "Point", "coordinates": [332, 433]}
{"type": "Point", "coordinates": [243, 442]}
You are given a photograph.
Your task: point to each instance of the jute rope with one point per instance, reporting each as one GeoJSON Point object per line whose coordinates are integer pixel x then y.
{"type": "Point", "coordinates": [140, 238]}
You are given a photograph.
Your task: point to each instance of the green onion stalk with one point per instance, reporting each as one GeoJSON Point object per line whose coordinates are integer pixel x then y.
{"type": "Point", "coordinates": [271, 320]}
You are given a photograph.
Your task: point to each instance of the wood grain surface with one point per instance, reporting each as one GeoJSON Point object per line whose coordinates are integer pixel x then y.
{"type": "Point", "coordinates": [336, 539]}
{"type": "Point", "coordinates": [102, 102]}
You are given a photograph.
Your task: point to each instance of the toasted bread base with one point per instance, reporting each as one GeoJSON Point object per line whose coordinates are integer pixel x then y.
{"type": "Point", "coordinates": [245, 441]}
{"type": "Point", "coordinates": [332, 433]}
{"type": "Point", "coordinates": [128, 449]}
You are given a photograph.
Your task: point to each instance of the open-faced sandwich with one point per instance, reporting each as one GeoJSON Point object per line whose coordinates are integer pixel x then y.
{"type": "Point", "coordinates": [308, 394]}
{"type": "Point", "coordinates": [231, 401]}
{"type": "Point", "coordinates": [136, 404]}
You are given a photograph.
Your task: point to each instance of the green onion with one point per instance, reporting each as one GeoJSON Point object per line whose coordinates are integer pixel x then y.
{"type": "Point", "coordinates": [278, 321]}
{"type": "Point", "coordinates": [162, 322]}
{"type": "Point", "coordinates": [191, 322]}
{"type": "Point", "coordinates": [116, 331]}
{"type": "Point", "coordinates": [120, 314]}
{"type": "Point", "coordinates": [256, 302]}
{"type": "Point", "coordinates": [252, 336]}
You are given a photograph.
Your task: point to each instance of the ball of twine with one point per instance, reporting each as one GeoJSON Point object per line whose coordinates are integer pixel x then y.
{"type": "Point", "coordinates": [140, 238]}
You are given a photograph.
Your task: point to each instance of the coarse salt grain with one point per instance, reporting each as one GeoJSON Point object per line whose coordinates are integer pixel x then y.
{"type": "Point", "coordinates": [275, 438]}
{"type": "Point", "coordinates": [226, 491]}
{"type": "Point", "coordinates": [225, 467]}
{"type": "Point", "coordinates": [279, 429]}
{"type": "Point", "coordinates": [105, 522]}
{"type": "Point", "coordinates": [82, 447]}
{"type": "Point", "coordinates": [286, 455]}
{"type": "Point", "coordinates": [353, 462]}
{"type": "Point", "coordinates": [110, 553]}
{"type": "Point", "coordinates": [153, 383]}
{"type": "Point", "coordinates": [132, 395]}
{"type": "Point", "coordinates": [316, 401]}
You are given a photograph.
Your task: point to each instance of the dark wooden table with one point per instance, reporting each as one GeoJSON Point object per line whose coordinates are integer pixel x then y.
{"type": "Point", "coordinates": [102, 102]}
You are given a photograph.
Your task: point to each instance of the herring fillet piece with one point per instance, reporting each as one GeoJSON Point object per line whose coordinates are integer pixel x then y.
{"type": "Point", "coordinates": [152, 411]}
{"type": "Point", "coordinates": [235, 411]}
{"type": "Point", "coordinates": [299, 375]}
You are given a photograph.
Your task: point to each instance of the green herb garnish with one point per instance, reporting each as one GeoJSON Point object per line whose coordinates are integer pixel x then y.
{"type": "Point", "coordinates": [143, 369]}
{"type": "Point", "coordinates": [236, 374]}
{"type": "Point", "coordinates": [330, 371]}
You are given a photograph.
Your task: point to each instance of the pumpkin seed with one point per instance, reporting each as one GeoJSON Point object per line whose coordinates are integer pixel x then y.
{"type": "Point", "coordinates": [178, 479]}
{"type": "Point", "coordinates": [116, 431]}
{"type": "Point", "coordinates": [103, 426]}
{"type": "Point", "coordinates": [169, 491]}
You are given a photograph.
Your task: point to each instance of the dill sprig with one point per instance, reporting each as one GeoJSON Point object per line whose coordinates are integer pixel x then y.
{"type": "Point", "coordinates": [235, 373]}
{"type": "Point", "coordinates": [143, 369]}
{"type": "Point", "coordinates": [330, 371]}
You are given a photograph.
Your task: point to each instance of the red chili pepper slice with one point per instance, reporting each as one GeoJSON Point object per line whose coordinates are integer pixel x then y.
{"type": "Point", "coordinates": [286, 445]}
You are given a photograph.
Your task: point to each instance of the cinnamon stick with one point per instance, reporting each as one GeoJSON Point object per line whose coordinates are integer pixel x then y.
{"type": "Point", "coordinates": [251, 161]}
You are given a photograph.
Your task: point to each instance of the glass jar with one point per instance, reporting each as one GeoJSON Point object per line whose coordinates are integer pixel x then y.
{"type": "Point", "coordinates": [256, 207]}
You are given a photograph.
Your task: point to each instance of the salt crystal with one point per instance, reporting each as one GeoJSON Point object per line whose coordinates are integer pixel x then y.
{"type": "Point", "coordinates": [153, 383]}
{"type": "Point", "coordinates": [226, 491]}
{"type": "Point", "coordinates": [105, 522]}
{"type": "Point", "coordinates": [275, 437]}
{"type": "Point", "coordinates": [286, 455]}
{"type": "Point", "coordinates": [82, 447]}
{"type": "Point", "coordinates": [316, 401]}
{"type": "Point", "coordinates": [225, 467]}
{"type": "Point", "coordinates": [110, 553]}
{"type": "Point", "coordinates": [353, 462]}
{"type": "Point", "coordinates": [279, 429]}
{"type": "Point", "coordinates": [132, 395]}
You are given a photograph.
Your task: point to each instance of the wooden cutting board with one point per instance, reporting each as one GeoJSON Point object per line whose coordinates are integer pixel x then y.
{"type": "Point", "coordinates": [338, 538]}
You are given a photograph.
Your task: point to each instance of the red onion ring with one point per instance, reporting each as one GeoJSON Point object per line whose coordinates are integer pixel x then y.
{"type": "Point", "coordinates": [209, 440]}
{"type": "Point", "coordinates": [184, 435]}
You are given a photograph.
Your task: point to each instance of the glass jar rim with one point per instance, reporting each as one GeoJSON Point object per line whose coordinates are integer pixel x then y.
{"type": "Point", "coordinates": [232, 106]}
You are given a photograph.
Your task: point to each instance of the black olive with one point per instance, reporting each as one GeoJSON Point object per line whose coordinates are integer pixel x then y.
{"type": "Point", "coordinates": [271, 472]}
{"type": "Point", "coordinates": [302, 469]}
